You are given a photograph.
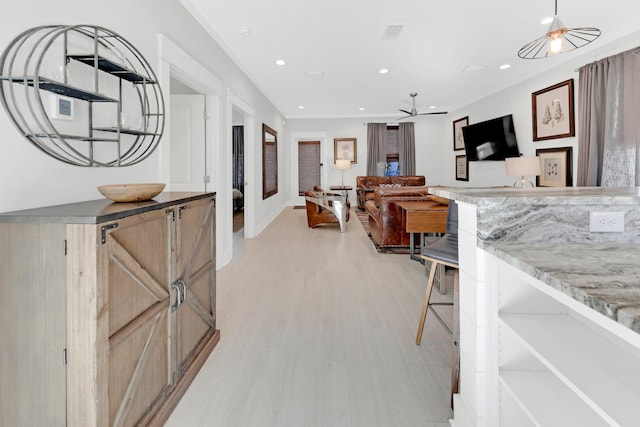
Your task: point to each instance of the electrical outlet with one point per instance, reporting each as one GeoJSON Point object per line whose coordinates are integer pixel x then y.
{"type": "Point", "coordinates": [606, 222]}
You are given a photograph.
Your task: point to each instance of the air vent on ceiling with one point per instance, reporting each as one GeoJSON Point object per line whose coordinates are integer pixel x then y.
{"type": "Point", "coordinates": [314, 73]}
{"type": "Point", "coordinates": [392, 31]}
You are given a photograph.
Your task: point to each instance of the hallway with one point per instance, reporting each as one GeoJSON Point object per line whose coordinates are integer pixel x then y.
{"type": "Point", "coordinates": [318, 329]}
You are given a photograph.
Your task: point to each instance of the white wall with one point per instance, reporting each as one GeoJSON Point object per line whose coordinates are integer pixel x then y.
{"type": "Point", "coordinates": [430, 145]}
{"type": "Point", "coordinates": [435, 157]}
{"type": "Point", "coordinates": [516, 100]}
{"type": "Point", "coordinates": [29, 178]}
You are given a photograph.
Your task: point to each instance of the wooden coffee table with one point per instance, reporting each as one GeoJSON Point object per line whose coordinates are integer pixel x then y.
{"type": "Point", "coordinates": [423, 217]}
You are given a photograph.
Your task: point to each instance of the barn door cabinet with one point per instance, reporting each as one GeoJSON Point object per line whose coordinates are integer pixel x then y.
{"type": "Point", "coordinates": [107, 310]}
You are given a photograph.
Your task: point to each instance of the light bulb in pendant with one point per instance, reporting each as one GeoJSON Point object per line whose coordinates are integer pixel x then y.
{"type": "Point", "coordinates": [556, 43]}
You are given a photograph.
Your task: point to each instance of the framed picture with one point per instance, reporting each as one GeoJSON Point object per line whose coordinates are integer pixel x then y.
{"type": "Point", "coordinates": [458, 138]}
{"type": "Point", "coordinates": [462, 168]}
{"type": "Point", "coordinates": [552, 110]}
{"type": "Point", "coordinates": [345, 148]}
{"type": "Point", "coordinates": [555, 165]}
{"type": "Point", "coordinates": [62, 107]}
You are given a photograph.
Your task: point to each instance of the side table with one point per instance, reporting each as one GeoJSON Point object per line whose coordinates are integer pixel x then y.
{"type": "Point", "coordinates": [423, 217]}
{"type": "Point", "coordinates": [344, 189]}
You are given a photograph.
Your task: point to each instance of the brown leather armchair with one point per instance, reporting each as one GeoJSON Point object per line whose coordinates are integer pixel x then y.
{"type": "Point", "coordinates": [326, 208]}
{"type": "Point", "coordinates": [386, 220]}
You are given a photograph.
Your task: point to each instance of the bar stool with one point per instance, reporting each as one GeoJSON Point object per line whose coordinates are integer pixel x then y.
{"type": "Point", "coordinates": [444, 251]}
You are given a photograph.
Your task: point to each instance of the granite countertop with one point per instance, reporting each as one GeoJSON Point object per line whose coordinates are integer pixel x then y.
{"type": "Point", "coordinates": [544, 232]}
{"type": "Point", "coordinates": [541, 195]}
{"type": "Point", "coordinates": [604, 276]}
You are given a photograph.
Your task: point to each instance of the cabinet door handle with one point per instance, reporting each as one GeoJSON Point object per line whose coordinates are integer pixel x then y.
{"type": "Point", "coordinates": [184, 289]}
{"type": "Point", "coordinates": [180, 209]}
{"type": "Point", "coordinates": [175, 306]}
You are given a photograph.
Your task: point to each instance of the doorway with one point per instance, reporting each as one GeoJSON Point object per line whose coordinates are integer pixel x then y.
{"type": "Point", "coordinates": [237, 172]}
{"type": "Point", "coordinates": [188, 136]}
{"type": "Point", "coordinates": [309, 166]}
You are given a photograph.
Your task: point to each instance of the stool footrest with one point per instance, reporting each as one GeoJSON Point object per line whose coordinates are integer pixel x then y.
{"type": "Point", "coordinates": [444, 325]}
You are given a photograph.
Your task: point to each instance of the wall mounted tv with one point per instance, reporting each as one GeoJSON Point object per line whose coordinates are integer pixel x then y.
{"type": "Point", "coordinates": [493, 139]}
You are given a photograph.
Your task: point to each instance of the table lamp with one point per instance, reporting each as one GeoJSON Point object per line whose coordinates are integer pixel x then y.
{"type": "Point", "coordinates": [343, 164]}
{"type": "Point", "coordinates": [523, 166]}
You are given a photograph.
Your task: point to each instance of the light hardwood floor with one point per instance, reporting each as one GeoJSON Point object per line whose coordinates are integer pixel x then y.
{"type": "Point", "coordinates": [318, 329]}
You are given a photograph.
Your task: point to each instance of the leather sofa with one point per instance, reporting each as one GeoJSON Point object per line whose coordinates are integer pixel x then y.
{"type": "Point", "coordinates": [365, 185]}
{"type": "Point", "coordinates": [386, 220]}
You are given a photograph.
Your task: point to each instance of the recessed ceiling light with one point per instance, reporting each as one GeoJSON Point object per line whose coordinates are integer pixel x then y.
{"type": "Point", "coordinates": [280, 62]}
{"type": "Point", "coordinates": [301, 107]}
{"type": "Point", "coordinates": [245, 31]}
{"type": "Point", "coordinates": [473, 68]}
{"type": "Point", "coordinates": [546, 20]}
{"type": "Point", "coordinates": [361, 108]}
{"type": "Point", "coordinates": [383, 71]}
{"type": "Point", "coordinates": [432, 107]}
{"type": "Point", "coordinates": [504, 66]}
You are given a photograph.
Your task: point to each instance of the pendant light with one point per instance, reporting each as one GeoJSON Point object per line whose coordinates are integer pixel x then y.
{"type": "Point", "coordinates": [558, 39]}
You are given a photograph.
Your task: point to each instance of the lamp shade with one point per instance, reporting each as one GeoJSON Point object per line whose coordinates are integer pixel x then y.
{"type": "Point", "coordinates": [343, 164]}
{"type": "Point", "coordinates": [523, 166]}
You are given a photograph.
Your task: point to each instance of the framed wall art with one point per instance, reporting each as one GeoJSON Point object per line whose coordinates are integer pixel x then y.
{"type": "Point", "coordinates": [62, 107]}
{"type": "Point", "coordinates": [552, 110]}
{"type": "Point", "coordinates": [458, 138]}
{"type": "Point", "coordinates": [345, 148]}
{"type": "Point", "coordinates": [555, 165]}
{"type": "Point", "coordinates": [462, 168]}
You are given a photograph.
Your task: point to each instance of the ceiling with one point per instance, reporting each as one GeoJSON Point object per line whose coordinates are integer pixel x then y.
{"type": "Point", "coordinates": [334, 49]}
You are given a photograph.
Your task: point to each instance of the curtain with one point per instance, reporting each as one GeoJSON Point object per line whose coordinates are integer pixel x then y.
{"type": "Point", "coordinates": [238, 158]}
{"type": "Point", "coordinates": [376, 148]}
{"type": "Point", "coordinates": [407, 149]}
{"type": "Point", "coordinates": [609, 129]}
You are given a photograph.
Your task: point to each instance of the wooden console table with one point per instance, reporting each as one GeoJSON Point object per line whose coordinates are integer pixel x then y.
{"type": "Point", "coordinates": [423, 217]}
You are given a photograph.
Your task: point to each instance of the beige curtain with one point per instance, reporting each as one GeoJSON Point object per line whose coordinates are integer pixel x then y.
{"type": "Point", "coordinates": [376, 147]}
{"type": "Point", "coordinates": [609, 125]}
{"type": "Point", "coordinates": [407, 149]}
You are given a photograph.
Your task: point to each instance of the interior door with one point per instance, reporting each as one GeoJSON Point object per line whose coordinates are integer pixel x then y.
{"type": "Point", "coordinates": [188, 153]}
{"type": "Point", "coordinates": [138, 276]}
{"type": "Point", "coordinates": [196, 270]}
{"type": "Point", "coordinates": [309, 166]}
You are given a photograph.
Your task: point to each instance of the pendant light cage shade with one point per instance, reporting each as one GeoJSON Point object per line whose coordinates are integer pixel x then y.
{"type": "Point", "coordinates": [558, 39]}
{"type": "Point", "coordinates": [571, 38]}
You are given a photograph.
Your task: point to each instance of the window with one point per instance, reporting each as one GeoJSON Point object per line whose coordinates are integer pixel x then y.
{"type": "Point", "coordinates": [393, 153]}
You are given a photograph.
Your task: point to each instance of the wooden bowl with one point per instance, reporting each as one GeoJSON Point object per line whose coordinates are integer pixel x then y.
{"type": "Point", "coordinates": [130, 192]}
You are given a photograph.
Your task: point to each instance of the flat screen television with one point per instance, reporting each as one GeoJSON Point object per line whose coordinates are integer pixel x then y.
{"type": "Point", "coordinates": [493, 139]}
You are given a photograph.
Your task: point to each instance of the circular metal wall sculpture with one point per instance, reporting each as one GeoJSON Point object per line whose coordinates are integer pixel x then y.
{"type": "Point", "coordinates": [83, 95]}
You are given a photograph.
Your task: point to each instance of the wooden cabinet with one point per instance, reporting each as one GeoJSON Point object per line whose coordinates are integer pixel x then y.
{"type": "Point", "coordinates": [108, 310]}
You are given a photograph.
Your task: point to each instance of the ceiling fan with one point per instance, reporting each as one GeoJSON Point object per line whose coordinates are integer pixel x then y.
{"type": "Point", "coordinates": [414, 112]}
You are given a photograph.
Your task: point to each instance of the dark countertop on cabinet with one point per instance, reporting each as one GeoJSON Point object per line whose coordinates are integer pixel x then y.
{"type": "Point", "coordinates": [99, 211]}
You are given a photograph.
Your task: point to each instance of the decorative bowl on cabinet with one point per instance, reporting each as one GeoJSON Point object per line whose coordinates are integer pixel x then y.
{"type": "Point", "coordinates": [130, 192]}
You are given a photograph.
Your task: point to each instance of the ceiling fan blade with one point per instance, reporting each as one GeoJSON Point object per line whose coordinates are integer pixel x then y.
{"type": "Point", "coordinates": [406, 112]}
{"type": "Point", "coordinates": [405, 117]}
{"type": "Point", "coordinates": [434, 113]}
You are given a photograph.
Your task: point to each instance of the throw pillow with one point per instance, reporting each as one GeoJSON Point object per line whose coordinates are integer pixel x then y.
{"type": "Point", "coordinates": [390, 185]}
